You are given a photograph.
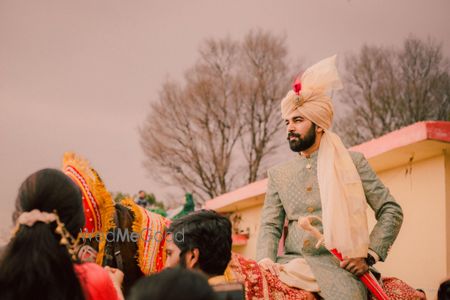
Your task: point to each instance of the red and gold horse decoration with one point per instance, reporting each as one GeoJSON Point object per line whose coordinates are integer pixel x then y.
{"type": "Point", "coordinates": [98, 204]}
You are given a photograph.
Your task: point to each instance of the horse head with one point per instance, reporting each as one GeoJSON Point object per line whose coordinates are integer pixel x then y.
{"type": "Point", "coordinates": [113, 234]}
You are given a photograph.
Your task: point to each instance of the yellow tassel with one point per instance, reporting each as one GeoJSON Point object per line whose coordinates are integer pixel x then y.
{"type": "Point", "coordinates": [136, 227]}
{"type": "Point", "coordinates": [63, 241]}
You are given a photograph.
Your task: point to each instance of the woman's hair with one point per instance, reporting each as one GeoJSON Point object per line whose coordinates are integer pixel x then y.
{"type": "Point", "coordinates": [34, 264]}
{"type": "Point", "coordinates": [444, 290]}
{"type": "Point", "coordinates": [173, 284]}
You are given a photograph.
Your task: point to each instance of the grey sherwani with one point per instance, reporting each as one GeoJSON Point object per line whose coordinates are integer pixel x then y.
{"type": "Point", "coordinates": [292, 192]}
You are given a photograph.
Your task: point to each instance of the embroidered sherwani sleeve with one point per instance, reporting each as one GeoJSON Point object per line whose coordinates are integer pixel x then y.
{"type": "Point", "coordinates": [272, 220]}
{"type": "Point", "coordinates": [388, 212]}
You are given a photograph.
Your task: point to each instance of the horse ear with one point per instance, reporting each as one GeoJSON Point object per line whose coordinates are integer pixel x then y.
{"type": "Point", "coordinates": [192, 258]}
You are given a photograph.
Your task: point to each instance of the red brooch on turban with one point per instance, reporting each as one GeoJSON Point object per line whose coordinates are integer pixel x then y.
{"type": "Point", "coordinates": [297, 86]}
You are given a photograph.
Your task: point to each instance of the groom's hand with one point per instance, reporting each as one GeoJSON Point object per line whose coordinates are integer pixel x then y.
{"type": "Point", "coordinates": [269, 265]}
{"type": "Point", "coordinates": [357, 266]}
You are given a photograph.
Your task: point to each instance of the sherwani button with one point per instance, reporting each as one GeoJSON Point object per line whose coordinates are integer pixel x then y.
{"type": "Point", "coordinates": [310, 209]}
{"type": "Point", "coordinates": [306, 243]}
{"type": "Point", "coordinates": [308, 166]}
{"type": "Point", "coordinates": [309, 189]}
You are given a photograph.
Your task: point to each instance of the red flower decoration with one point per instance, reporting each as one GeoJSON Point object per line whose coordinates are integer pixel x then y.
{"type": "Point", "coordinates": [297, 86]}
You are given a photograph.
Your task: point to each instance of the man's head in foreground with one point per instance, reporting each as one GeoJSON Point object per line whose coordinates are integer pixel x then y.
{"type": "Point", "coordinates": [200, 240]}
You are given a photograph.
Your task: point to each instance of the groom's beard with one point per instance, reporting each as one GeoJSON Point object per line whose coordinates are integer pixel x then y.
{"type": "Point", "coordinates": [299, 144]}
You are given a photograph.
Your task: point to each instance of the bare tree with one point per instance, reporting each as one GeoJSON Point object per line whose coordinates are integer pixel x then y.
{"type": "Point", "coordinates": [264, 65]}
{"type": "Point", "coordinates": [230, 97]}
{"type": "Point", "coordinates": [190, 133]}
{"type": "Point", "coordinates": [387, 89]}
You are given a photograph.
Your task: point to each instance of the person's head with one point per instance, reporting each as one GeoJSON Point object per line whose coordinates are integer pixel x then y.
{"type": "Point", "coordinates": [173, 284]}
{"type": "Point", "coordinates": [34, 262]}
{"type": "Point", "coordinates": [141, 194]}
{"type": "Point", "coordinates": [50, 190]}
{"type": "Point", "coordinates": [309, 102]}
{"type": "Point", "coordinates": [444, 290]}
{"type": "Point", "coordinates": [302, 134]}
{"type": "Point", "coordinates": [200, 240]}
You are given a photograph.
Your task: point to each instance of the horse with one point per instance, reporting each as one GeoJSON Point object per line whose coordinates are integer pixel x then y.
{"type": "Point", "coordinates": [113, 233]}
{"type": "Point", "coordinates": [118, 252]}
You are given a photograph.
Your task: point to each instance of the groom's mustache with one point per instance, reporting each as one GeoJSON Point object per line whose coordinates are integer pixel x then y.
{"type": "Point", "coordinates": [293, 134]}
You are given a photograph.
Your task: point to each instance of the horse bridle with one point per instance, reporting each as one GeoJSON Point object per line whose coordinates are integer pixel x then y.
{"type": "Point", "coordinates": [112, 252]}
{"type": "Point", "coordinates": [112, 248]}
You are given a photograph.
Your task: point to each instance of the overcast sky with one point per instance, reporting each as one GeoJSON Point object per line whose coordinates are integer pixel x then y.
{"type": "Point", "coordinates": [79, 75]}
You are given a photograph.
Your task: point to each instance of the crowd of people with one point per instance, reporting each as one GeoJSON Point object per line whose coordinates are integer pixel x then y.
{"type": "Point", "coordinates": [324, 181]}
{"type": "Point", "coordinates": [40, 259]}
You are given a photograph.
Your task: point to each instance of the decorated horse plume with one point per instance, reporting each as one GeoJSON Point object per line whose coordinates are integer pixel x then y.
{"type": "Point", "coordinates": [98, 204]}
{"type": "Point", "coordinates": [152, 230]}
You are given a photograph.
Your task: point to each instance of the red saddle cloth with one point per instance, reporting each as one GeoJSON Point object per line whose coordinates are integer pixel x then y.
{"type": "Point", "coordinates": [261, 284]}
{"type": "Point", "coordinates": [397, 289]}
